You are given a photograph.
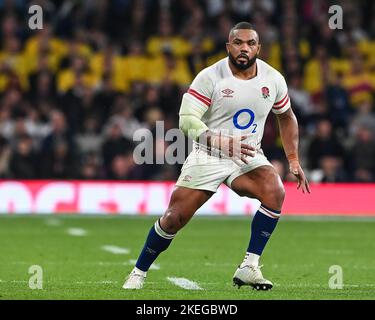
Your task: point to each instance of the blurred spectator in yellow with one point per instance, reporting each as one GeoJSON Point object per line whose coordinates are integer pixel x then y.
{"type": "Point", "coordinates": [110, 63]}
{"type": "Point", "coordinates": [14, 63]}
{"type": "Point", "coordinates": [166, 39]}
{"type": "Point", "coordinates": [135, 63]}
{"type": "Point", "coordinates": [77, 73]}
{"type": "Point", "coordinates": [318, 72]}
{"type": "Point", "coordinates": [44, 43]}
{"type": "Point", "coordinates": [166, 66]}
{"type": "Point", "coordinates": [358, 81]}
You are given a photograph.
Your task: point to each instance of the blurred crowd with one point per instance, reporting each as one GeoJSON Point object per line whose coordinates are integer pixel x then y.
{"type": "Point", "coordinates": [73, 94]}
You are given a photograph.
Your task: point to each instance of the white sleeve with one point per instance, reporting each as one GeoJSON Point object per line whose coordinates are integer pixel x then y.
{"type": "Point", "coordinates": [282, 101]}
{"type": "Point", "coordinates": [201, 90]}
{"type": "Point", "coordinates": [190, 121]}
{"type": "Point", "coordinates": [195, 103]}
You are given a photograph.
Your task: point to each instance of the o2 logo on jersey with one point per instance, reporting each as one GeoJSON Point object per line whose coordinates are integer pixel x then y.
{"type": "Point", "coordinates": [250, 122]}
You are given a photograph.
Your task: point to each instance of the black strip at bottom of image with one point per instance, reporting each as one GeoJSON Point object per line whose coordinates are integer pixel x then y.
{"type": "Point", "coordinates": [184, 309]}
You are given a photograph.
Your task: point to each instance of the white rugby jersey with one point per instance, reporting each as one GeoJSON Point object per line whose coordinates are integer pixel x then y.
{"type": "Point", "coordinates": [235, 106]}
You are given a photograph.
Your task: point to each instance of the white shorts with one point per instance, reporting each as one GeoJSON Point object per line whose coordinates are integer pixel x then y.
{"type": "Point", "coordinates": [205, 172]}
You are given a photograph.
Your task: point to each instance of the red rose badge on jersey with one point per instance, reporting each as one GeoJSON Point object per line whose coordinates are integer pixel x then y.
{"type": "Point", "coordinates": [265, 92]}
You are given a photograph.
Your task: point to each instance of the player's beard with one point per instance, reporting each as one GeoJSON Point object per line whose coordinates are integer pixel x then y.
{"type": "Point", "coordinates": [242, 66]}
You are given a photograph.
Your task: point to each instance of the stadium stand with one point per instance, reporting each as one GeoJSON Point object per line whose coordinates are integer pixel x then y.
{"type": "Point", "coordinates": [73, 93]}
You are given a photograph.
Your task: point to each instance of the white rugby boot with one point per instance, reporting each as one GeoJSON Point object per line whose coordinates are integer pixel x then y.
{"type": "Point", "coordinates": [250, 275]}
{"type": "Point", "coordinates": [135, 279]}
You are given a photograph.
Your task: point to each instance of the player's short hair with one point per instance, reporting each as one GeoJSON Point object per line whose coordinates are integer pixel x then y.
{"type": "Point", "coordinates": [243, 25]}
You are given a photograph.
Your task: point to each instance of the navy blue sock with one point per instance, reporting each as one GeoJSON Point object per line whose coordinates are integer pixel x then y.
{"type": "Point", "coordinates": [157, 241]}
{"type": "Point", "coordinates": [262, 226]}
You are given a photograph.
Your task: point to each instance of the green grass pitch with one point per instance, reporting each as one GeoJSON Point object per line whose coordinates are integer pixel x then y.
{"type": "Point", "coordinates": [207, 251]}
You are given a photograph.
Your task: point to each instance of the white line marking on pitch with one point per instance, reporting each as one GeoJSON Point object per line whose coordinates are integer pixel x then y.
{"type": "Point", "coordinates": [184, 283]}
{"type": "Point", "coordinates": [77, 232]}
{"type": "Point", "coordinates": [154, 266]}
{"type": "Point", "coordinates": [97, 282]}
{"type": "Point", "coordinates": [115, 249]}
{"type": "Point", "coordinates": [210, 264]}
{"type": "Point", "coordinates": [333, 251]}
{"type": "Point", "coordinates": [53, 222]}
{"type": "Point", "coordinates": [323, 286]}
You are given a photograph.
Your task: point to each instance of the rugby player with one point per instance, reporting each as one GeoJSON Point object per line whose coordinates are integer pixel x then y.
{"type": "Point", "coordinates": [232, 96]}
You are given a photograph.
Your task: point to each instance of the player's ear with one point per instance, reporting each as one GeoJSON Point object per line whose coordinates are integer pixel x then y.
{"type": "Point", "coordinates": [227, 46]}
{"type": "Point", "coordinates": [259, 46]}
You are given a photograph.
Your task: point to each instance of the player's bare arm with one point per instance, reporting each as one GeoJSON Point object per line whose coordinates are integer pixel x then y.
{"type": "Point", "coordinates": [288, 127]}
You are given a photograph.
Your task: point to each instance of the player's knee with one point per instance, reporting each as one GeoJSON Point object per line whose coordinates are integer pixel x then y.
{"type": "Point", "coordinates": [274, 196]}
{"type": "Point", "coordinates": [280, 194]}
{"type": "Point", "coordinates": [172, 221]}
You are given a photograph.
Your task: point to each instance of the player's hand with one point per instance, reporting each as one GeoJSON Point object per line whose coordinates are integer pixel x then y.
{"type": "Point", "coordinates": [233, 147]}
{"type": "Point", "coordinates": [296, 169]}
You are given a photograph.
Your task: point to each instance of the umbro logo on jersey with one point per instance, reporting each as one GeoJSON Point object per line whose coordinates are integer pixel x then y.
{"type": "Point", "coordinates": [227, 93]}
